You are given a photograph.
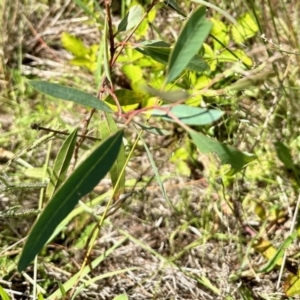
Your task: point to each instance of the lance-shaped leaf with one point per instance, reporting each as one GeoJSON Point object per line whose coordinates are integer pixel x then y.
{"type": "Point", "coordinates": [189, 115]}
{"type": "Point", "coordinates": [69, 94]}
{"type": "Point", "coordinates": [106, 128]}
{"type": "Point", "coordinates": [189, 42]}
{"type": "Point", "coordinates": [82, 181]}
{"type": "Point", "coordinates": [160, 52]}
{"type": "Point", "coordinates": [227, 154]}
{"type": "Point", "coordinates": [133, 17]}
{"type": "Point", "coordinates": [62, 163]}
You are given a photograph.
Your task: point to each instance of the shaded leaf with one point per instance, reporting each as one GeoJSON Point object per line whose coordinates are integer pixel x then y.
{"type": "Point", "coordinates": [82, 181]}
{"type": "Point", "coordinates": [227, 154]}
{"type": "Point", "coordinates": [69, 94]}
{"type": "Point", "coordinates": [133, 17]}
{"type": "Point", "coordinates": [173, 5]}
{"type": "Point", "coordinates": [128, 100]}
{"type": "Point", "coordinates": [284, 154]}
{"type": "Point", "coordinates": [189, 42]}
{"type": "Point", "coordinates": [189, 115]}
{"type": "Point", "coordinates": [62, 163]}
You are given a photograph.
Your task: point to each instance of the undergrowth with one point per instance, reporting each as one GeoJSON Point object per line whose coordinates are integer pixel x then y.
{"type": "Point", "coordinates": [196, 206]}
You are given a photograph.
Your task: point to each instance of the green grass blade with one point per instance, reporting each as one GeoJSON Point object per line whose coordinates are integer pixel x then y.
{"type": "Point", "coordinates": [189, 42]}
{"type": "Point", "coordinates": [219, 10]}
{"type": "Point", "coordinates": [69, 94]}
{"type": "Point", "coordinates": [273, 262]}
{"type": "Point", "coordinates": [3, 294]}
{"type": "Point", "coordinates": [85, 177]}
{"type": "Point", "coordinates": [105, 52]}
{"type": "Point", "coordinates": [61, 164]}
{"type": "Point", "coordinates": [94, 264]}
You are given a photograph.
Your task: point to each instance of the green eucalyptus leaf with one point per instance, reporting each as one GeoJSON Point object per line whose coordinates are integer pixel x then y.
{"type": "Point", "coordinates": [227, 154]}
{"type": "Point", "coordinates": [107, 127]}
{"type": "Point", "coordinates": [69, 94]}
{"type": "Point", "coordinates": [189, 42]}
{"type": "Point", "coordinates": [160, 52]}
{"type": "Point", "coordinates": [188, 115]}
{"type": "Point", "coordinates": [82, 181]}
{"type": "Point", "coordinates": [62, 163]}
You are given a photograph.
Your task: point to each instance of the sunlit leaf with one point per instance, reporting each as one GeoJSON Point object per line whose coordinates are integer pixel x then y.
{"type": "Point", "coordinates": [188, 115]}
{"type": "Point", "coordinates": [227, 154]}
{"type": "Point", "coordinates": [121, 297]}
{"type": "Point", "coordinates": [245, 29]}
{"type": "Point", "coordinates": [221, 32]}
{"type": "Point", "coordinates": [82, 181]}
{"type": "Point", "coordinates": [74, 45]}
{"type": "Point", "coordinates": [189, 42]}
{"type": "Point", "coordinates": [170, 96]}
{"type": "Point", "coordinates": [133, 17]}
{"type": "Point", "coordinates": [291, 285]}
{"type": "Point", "coordinates": [84, 62]}
{"type": "Point", "coordinates": [69, 94]}
{"type": "Point", "coordinates": [3, 294]}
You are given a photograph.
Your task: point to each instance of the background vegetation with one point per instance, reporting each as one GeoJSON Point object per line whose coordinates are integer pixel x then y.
{"type": "Point", "coordinates": [208, 234]}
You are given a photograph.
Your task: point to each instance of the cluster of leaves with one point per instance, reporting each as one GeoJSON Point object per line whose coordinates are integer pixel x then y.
{"type": "Point", "coordinates": [189, 61]}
